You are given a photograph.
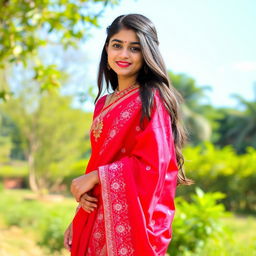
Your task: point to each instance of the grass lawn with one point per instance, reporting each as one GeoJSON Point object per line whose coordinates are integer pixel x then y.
{"type": "Point", "coordinates": [240, 239]}
{"type": "Point", "coordinates": [24, 208]}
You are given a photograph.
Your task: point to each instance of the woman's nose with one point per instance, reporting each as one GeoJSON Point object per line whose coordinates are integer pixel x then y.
{"type": "Point", "coordinates": [124, 53]}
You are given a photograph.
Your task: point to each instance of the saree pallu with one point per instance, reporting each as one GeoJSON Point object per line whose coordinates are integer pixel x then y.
{"type": "Point", "coordinates": [138, 175]}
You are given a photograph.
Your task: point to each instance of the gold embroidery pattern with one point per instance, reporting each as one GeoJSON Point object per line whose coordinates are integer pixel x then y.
{"type": "Point", "coordinates": [97, 128]}
{"type": "Point", "coordinates": [97, 125]}
{"type": "Point", "coordinates": [117, 226]}
{"type": "Point", "coordinates": [121, 120]}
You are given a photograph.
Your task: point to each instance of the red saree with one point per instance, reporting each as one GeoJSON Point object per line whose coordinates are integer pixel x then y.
{"type": "Point", "coordinates": [138, 175]}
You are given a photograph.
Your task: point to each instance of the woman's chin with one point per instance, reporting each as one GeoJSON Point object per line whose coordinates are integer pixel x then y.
{"type": "Point", "coordinates": [124, 73]}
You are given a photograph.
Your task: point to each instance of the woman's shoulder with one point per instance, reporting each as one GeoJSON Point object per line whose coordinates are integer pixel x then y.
{"type": "Point", "coordinates": [99, 104]}
{"type": "Point", "coordinates": [101, 100]}
{"type": "Point", "coordinates": [159, 106]}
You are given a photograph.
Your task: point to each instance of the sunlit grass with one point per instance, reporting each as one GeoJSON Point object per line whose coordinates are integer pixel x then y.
{"type": "Point", "coordinates": [239, 240]}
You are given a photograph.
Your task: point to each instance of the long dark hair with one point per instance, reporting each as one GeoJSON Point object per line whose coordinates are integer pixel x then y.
{"type": "Point", "coordinates": [152, 75]}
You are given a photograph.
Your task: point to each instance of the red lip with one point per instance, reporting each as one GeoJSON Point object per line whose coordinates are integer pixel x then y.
{"type": "Point", "coordinates": [123, 64]}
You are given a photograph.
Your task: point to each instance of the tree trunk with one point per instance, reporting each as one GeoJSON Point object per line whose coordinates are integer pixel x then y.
{"type": "Point", "coordinates": [32, 175]}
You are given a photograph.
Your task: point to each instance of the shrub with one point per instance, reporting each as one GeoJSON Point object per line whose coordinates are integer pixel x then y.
{"type": "Point", "coordinates": [196, 222]}
{"type": "Point", "coordinates": [52, 229]}
{"type": "Point", "coordinates": [223, 170]}
{"type": "Point", "coordinates": [20, 212]}
{"type": "Point", "coordinates": [10, 171]}
{"type": "Point", "coordinates": [49, 220]}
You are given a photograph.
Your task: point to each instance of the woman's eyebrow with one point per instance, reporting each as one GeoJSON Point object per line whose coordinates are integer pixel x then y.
{"type": "Point", "coordinates": [120, 41]}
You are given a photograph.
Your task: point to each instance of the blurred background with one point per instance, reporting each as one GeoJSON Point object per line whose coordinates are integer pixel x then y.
{"type": "Point", "coordinates": [49, 56]}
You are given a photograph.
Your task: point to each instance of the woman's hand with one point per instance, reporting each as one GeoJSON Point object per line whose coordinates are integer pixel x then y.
{"type": "Point", "coordinates": [83, 184]}
{"type": "Point", "coordinates": [68, 237]}
{"type": "Point", "coordinates": [88, 202]}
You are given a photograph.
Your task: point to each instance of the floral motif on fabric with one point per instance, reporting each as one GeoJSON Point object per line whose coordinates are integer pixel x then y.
{"type": "Point", "coordinates": [97, 124]}
{"type": "Point", "coordinates": [121, 120]}
{"type": "Point", "coordinates": [97, 245]}
{"type": "Point", "coordinates": [117, 226]}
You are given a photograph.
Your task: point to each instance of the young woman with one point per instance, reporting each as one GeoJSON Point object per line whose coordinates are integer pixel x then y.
{"type": "Point", "coordinates": [126, 196]}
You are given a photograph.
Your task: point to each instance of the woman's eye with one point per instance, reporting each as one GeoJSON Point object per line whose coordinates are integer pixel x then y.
{"type": "Point", "coordinates": [116, 45]}
{"type": "Point", "coordinates": [135, 49]}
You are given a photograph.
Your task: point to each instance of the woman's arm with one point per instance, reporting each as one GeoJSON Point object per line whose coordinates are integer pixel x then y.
{"type": "Point", "coordinates": [83, 184]}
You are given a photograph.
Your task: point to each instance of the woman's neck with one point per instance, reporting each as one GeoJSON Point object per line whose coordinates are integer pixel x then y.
{"type": "Point", "coordinates": [124, 83]}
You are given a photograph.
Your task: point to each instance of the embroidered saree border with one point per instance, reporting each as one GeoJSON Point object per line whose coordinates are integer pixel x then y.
{"type": "Point", "coordinates": [97, 245]}
{"type": "Point", "coordinates": [120, 121]}
{"type": "Point", "coordinates": [117, 100]}
{"type": "Point", "coordinates": [107, 110]}
{"type": "Point", "coordinates": [117, 226]}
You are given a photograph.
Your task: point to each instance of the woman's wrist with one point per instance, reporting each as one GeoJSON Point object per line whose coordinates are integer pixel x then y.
{"type": "Point", "coordinates": [96, 177]}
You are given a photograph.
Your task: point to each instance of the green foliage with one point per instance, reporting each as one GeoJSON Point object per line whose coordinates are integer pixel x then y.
{"type": "Point", "coordinates": [22, 22]}
{"type": "Point", "coordinates": [223, 170]}
{"type": "Point", "coordinates": [9, 131]}
{"type": "Point", "coordinates": [198, 126]}
{"type": "Point", "coordinates": [27, 26]}
{"type": "Point", "coordinates": [48, 76]}
{"type": "Point", "coordinates": [52, 229]}
{"type": "Point", "coordinates": [52, 135]}
{"type": "Point", "coordinates": [49, 219]}
{"type": "Point", "coordinates": [227, 246]}
{"type": "Point", "coordinates": [77, 169]}
{"type": "Point", "coordinates": [193, 95]}
{"type": "Point", "coordinates": [20, 212]}
{"type": "Point", "coordinates": [213, 114]}
{"type": "Point", "coordinates": [5, 148]}
{"type": "Point", "coordinates": [237, 127]}
{"type": "Point", "coordinates": [196, 222]}
{"type": "Point", "coordinates": [17, 170]}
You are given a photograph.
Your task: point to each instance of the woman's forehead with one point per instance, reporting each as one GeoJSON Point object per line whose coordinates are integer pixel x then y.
{"type": "Point", "coordinates": [125, 36]}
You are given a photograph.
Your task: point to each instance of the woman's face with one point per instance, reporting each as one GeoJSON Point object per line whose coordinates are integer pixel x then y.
{"type": "Point", "coordinates": [124, 53]}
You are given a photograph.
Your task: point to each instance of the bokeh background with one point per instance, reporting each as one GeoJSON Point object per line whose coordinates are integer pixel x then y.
{"type": "Point", "coordinates": [49, 55]}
